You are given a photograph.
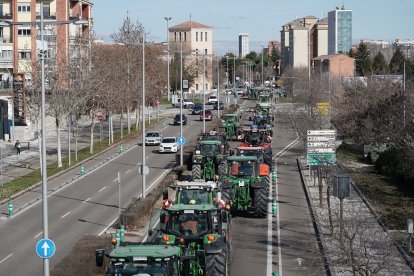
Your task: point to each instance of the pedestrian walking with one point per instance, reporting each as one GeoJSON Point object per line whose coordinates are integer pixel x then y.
{"type": "Point", "coordinates": [18, 146]}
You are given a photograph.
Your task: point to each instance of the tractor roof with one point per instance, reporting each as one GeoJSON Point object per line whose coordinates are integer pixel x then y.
{"type": "Point", "coordinates": [210, 142]}
{"type": "Point", "coordinates": [250, 148]}
{"type": "Point", "coordinates": [196, 184]}
{"type": "Point", "coordinates": [191, 207]}
{"type": "Point", "coordinates": [147, 250]}
{"type": "Point", "coordinates": [230, 115]}
{"type": "Point", "coordinates": [242, 158]}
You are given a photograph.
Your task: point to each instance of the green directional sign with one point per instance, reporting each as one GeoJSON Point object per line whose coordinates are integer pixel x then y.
{"type": "Point", "coordinates": [315, 159]}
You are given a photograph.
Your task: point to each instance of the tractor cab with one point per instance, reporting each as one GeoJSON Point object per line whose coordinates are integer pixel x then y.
{"type": "Point", "coordinates": [142, 259]}
{"type": "Point", "coordinates": [208, 160]}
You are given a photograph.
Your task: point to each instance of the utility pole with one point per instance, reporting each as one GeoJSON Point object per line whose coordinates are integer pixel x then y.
{"type": "Point", "coordinates": [181, 103]}
{"type": "Point", "coordinates": [143, 117]}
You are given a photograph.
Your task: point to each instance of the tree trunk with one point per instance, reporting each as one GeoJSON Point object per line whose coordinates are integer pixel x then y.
{"type": "Point", "coordinates": [92, 133]}
{"type": "Point", "coordinates": [69, 130]}
{"type": "Point", "coordinates": [76, 142]}
{"type": "Point", "coordinates": [59, 147]}
{"type": "Point", "coordinates": [112, 129]}
{"type": "Point", "coordinates": [122, 124]}
{"type": "Point", "coordinates": [129, 119]}
{"type": "Point", "coordinates": [109, 128]}
{"type": "Point", "coordinates": [137, 114]}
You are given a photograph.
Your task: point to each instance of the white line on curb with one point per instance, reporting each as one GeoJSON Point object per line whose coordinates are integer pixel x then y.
{"type": "Point", "coordinates": [65, 215]}
{"type": "Point", "coordinates": [8, 256]}
{"type": "Point", "coordinates": [38, 235]}
{"type": "Point", "coordinates": [86, 200]}
{"type": "Point", "coordinates": [102, 189]}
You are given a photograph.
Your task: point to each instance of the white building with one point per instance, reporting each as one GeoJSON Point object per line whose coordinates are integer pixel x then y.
{"type": "Point", "coordinates": [243, 45]}
{"type": "Point", "coordinates": [196, 37]}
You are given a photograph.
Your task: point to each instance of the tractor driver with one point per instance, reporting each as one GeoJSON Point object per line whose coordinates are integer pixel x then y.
{"type": "Point", "coordinates": [190, 225]}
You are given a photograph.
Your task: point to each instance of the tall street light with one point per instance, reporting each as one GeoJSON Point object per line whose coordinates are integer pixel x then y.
{"type": "Point", "coordinates": [168, 18]}
{"type": "Point", "coordinates": [204, 93]}
{"type": "Point", "coordinates": [218, 87]}
{"type": "Point", "coordinates": [181, 103]}
{"type": "Point", "coordinates": [143, 118]}
{"type": "Point", "coordinates": [45, 220]}
{"type": "Point", "coordinates": [262, 63]}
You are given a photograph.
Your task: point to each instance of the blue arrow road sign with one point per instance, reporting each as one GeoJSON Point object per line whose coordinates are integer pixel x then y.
{"type": "Point", "coordinates": [181, 140]}
{"type": "Point", "coordinates": [45, 248]}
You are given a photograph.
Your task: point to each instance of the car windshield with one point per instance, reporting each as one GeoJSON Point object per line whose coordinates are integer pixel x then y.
{"type": "Point", "coordinates": [153, 134]}
{"type": "Point", "coordinates": [138, 268]}
{"type": "Point", "coordinates": [242, 168]}
{"type": "Point", "coordinates": [194, 196]}
{"type": "Point", "coordinates": [189, 224]}
{"type": "Point", "coordinates": [208, 112]}
{"type": "Point", "coordinates": [178, 116]}
{"type": "Point", "coordinates": [212, 138]}
{"type": "Point", "coordinates": [168, 140]}
{"type": "Point", "coordinates": [210, 150]}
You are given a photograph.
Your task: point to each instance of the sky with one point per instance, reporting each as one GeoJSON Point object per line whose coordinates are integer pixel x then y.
{"type": "Point", "coordinates": [261, 19]}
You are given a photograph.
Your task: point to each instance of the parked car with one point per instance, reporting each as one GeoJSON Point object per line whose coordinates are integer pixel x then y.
{"type": "Point", "coordinates": [208, 115]}
{"type": "Point", "coordinates": [219, 105]}
{"type": "Point", "coordinates": [168, 144]}
{"type": "Point", "coordinates": [197, 109]}
{"type": "Point", "coordinates": [212, 99]}
{"type": "Point", "coordinates": [177, 119]}
{"type": "Point", "coordinates": [153, 138]}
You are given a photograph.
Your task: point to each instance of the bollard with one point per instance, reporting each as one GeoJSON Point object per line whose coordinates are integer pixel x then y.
{"type": "Point", "coordinates": [274, 175]}
{"type": "Point", "coordinates": [118, 237]}
{"type": "Point", "coordinates": [275, 273]}
{"type": "Point", "coordinates": [11, 209]}
{"type": "Point", "coordinates": [82, 169]}
{"type": "Point", "coordinates": [113, 240]}
{"type": "Point", "coordinates": [274, 207]}
{"type": "Point", "coordinates": [122, 233]}
{"type": "Point", "coordinates": [121, 149]}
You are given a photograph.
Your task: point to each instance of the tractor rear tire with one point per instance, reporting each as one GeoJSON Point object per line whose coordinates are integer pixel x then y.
{"type": "Point", "coordinates": [227, 195]}
{"type": "Point", "coordinates": [261, 196]}
{"type": "Point", "coordinates": [217, 264]}
{"type": "Point", "coordinates": [222, 169]}
{"type": "Point", "coordinates": [196, 171]}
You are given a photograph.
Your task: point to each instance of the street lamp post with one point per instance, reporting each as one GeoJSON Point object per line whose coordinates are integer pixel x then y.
{"type": "Point", "coordinates": [181, 103]}
{"type": "Point", "coordinates": [143, 118]}
{"type": "Point", "coordinates": [168, 58]}
{"type": "Point", "coordinates": [262, 63]}
{"type": "Point", "coordinates": [218, 87]}
{"type": "Point", "coordinates": [204, 94]}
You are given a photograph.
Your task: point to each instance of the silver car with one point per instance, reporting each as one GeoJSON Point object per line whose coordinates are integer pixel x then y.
{"type": "Point", "coordinates": [153, 138]}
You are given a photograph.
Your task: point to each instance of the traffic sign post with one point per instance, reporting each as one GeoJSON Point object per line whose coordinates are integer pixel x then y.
{"type": "Point", "coordinates": [181, 140]}
{"type": "Point", "coordinates": [82, 170]}
{"type": "Point", "coordinates": [45, 248]}
{"type": "Point", "coordinates": [321, 147]}
{"type": "Point", "coordinates": [121, 149]}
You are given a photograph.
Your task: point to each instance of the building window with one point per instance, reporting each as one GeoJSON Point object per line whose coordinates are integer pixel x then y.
{"type": "Point", "coordinates": [196, 73]}
{"type": "Point", "coordinates": [205, 51]}
{"type": "Point", "coordinates": [196, 36]}
{"type": "Point", "coordinates": [197, 86]}
{"type": "Point", "coordinates": [23, 32]}
{"type": "Point", "coordinates": [175, 36]}
{"type": "Point", "coordinates": [201, 36]}
{"type": "Point", "coordinates": [23, 7]}
{"type": "Point", "coordinates": [24, 54]}
{"type": "Point", "coordinates": [6, 54]}
{"type": "Point", "coordinates": [206, 75]}
{"type": "Point", "coordinates": [1, 32]}
{"type": "Point", "coordinates": [206, 86]}
{"type": "Point", "coordinates": [181, 36]}
{"type": "Point", "coordinates": [185, 36]}
{"type": "Point", "coordinates": [205, 36]}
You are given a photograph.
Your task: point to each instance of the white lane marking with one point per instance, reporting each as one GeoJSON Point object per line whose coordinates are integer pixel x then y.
{"type": "Point", "coordinates": [65, 215]}
{"type": "Point", "coordinates": [86, 200]}
{"type": "Point", "coordinates": [103, 188]}
{"type": "Point", "coordinates": [128, 171]}
{"type": "Point", "coordinates": [8, 256]}
{"type": "Point", "coordinates": [269, 265]}
{"type": "Point", "coordinates": [38, 235]}
{"type": "Point", "coordinates": [113, 221]}
{"type": "Point", "coordinates": [106, 228]}
{"type": "Point", "coordinates": [115, 180]}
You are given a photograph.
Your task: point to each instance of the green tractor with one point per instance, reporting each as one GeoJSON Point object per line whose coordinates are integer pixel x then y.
{"type": "Point", "coordinates": [246, 186]}
{"type": "Point", "coordinates": [203, 233]}
{"type": "Point", "coordinates": [231, 126]}
{"type": "Point", "coordinates": [143, 259]}
{"type": "Point", "coordinates": [209, 160]}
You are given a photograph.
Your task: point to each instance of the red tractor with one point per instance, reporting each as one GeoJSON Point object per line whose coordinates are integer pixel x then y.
{"type": "Point", "coordinates": [254, 137]}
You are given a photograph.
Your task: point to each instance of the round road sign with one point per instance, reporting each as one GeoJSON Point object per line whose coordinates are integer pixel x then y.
{"type": "Point", "coordinates": [143, 170]}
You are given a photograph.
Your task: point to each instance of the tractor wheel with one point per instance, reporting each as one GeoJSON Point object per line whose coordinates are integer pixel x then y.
{"type": "Point", "coordinates": [217, 264]}
{"type": "Point", "coordinates": [227, 195]}
{"type": "Point", "coordinates": [222, 169]}
{"type": "Point", "coordinates": [261, 196]}
{"type": "Point", "coordinates": [196, 171]}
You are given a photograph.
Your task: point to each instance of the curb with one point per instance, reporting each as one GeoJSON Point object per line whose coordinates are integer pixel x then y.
{"type": "Point", "coordinates": [327, 262]}
{"type": "Point", "coordinates": [34, 186]}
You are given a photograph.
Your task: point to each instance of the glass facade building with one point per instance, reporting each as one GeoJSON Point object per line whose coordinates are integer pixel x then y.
{"type": "Point", "coordinates": [339, 31]}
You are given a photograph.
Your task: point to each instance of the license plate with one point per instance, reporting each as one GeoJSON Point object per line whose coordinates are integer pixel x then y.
{"type": "Point", "coordinates": [241, 183]}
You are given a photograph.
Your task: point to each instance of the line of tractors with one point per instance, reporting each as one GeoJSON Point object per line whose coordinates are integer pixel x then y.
{"type": "Point", "coordinates": [193, 235]}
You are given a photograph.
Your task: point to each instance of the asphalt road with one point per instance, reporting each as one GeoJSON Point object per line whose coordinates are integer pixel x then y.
{"type": "Point", "coordinates": [87, 206]}
{"type": "Point", "coordinates": [284, 243]}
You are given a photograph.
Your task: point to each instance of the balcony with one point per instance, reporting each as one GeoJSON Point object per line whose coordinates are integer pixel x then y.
{"type": "Point", "coordinates": [5, 16]}
{"type": "Point", "coordinates": [46, 15]}
{"type": "Point", "coordinates": [5, 85]}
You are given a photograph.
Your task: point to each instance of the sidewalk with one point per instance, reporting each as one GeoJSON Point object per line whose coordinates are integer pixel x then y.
{"type": "Point", "coordinates": [13, 165]}
{"type": "Point", "coordinates": [365, 246]}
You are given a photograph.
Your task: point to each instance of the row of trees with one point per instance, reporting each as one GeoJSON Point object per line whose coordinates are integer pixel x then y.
{"type": "Point", "coordinates": [99, 80]}
{"type": "Point", "coordinates": [367, 65]}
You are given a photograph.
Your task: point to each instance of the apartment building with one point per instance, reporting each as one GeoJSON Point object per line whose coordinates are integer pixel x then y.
{"type": "Point", "coordinates": [243, 44]}
{"type": "Point", "coordinates": [301, 40]}
{"type": "Point", "coordinates": [273, 44]}
{"type": "Point", "coordinates": [339, 31]}
{"type": "Point", "coordinates": [196, 38]}
{"type": "Point", "coordinates": [20, 42]}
